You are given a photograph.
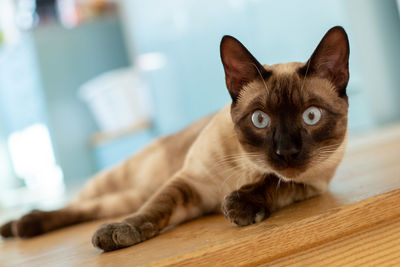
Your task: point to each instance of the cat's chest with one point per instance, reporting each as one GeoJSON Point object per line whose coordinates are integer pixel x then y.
{"type": "Point", "coordinates": [232, 178]}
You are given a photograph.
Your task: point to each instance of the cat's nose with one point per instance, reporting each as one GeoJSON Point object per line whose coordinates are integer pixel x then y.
{"type": "Point", "coordinates": [287, 146]}
{"type": "Point", "coordinates": [287, 153]}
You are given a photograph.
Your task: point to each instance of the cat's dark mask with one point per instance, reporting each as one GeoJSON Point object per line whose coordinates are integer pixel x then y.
{"type": "Point", "coordinates": [289, 117]}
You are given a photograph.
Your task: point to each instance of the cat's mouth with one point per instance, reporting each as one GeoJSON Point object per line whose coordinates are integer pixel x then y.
{"type": "Point", "coordinates": [288, 169]}
{"type": "Point", "coordinates": [287, 172]}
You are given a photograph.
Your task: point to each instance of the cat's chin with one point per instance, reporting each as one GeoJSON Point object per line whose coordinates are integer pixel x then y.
{"type": "Point", "coordinates": [289, 174]}
{"type": "Point", "coordinates": [286, 174]}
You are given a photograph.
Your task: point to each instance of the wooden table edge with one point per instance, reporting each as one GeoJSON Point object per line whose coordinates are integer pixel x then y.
{"type": "Point", "coordinates": [283, 240]}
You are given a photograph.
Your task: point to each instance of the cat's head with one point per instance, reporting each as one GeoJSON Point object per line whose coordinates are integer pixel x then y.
{"type": "Point", "coordinates": [289, 117]}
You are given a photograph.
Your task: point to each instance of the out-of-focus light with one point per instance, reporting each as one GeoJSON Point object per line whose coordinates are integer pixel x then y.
{"type": "Point", "coordinates": [398, 5]}
{"type": "Point", "coordinates": [67, 13]}
{"type": "Point", "coordinates": [26, 17]}
{"type": "Point", "coordinates": [26, 20]}
{"type": "Point", "coordinates": [26, 4]}
{"type": "Point", "coordinates": [151, 61]}
{"type": "Point", "coordinates": [239, 4]}
{"type": "Point", "coordinates": [33, 160]}
{"type": "Point", "coordinates": [8, 26]}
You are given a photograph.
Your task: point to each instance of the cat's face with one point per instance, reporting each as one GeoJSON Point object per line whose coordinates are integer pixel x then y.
{"type": "Point", "coordinates": [289, 117]}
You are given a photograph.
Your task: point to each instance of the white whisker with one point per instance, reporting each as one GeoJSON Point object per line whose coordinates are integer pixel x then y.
{"type": "Point", "coordinates": [259, 72]}
{"type": "Point", "coordinates": [305, 75]}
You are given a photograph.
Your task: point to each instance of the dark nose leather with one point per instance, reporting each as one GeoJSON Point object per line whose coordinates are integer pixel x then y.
{"type": "Point", "coordinates": [287, 153]}
{"type": "Point", "coordinates": [286, 146]}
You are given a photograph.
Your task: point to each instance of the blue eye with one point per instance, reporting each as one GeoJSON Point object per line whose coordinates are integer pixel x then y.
{"type": "Point", "coordinates": [260, 119]}
{"type": "Point", "coordinates": [312, 115]}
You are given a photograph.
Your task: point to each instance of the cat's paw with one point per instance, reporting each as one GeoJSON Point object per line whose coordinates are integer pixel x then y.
{"type": "Point", "coordinates": [112, 236]}
{"type": "Point", "coordinates": [6, 230]}
{"type": "Point", "coordinates": [31, 224]}
{"type": "Point", "coordinates": [239, 210]}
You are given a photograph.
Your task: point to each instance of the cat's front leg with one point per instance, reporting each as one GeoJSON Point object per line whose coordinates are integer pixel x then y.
{"type": "Point", "coordinates": [253, 203]}
{"type": "Point", "coordinates": [178, 201]}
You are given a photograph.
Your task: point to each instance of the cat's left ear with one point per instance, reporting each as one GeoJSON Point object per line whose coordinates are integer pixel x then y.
{"type": "Point", "coordinates": [240, 66]}
{"type": "Point", "coordinates": [330, 59]}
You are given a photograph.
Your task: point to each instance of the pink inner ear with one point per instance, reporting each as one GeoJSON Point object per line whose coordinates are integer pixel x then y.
{"type": "Point", "coordinates": [332, 60]}
{"type": "Point", "coordinates": [239, 64]}
{"type": "Point", "coordinates": [236, 75]}
{"type": "Point", "coordinates": [238, 72]}
{"type": "Point", "coordinates": [333, 63]}
{"type": "Point", "coordinates": [238, 69]}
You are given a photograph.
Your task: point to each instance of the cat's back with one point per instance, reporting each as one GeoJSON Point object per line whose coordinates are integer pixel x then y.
{"type": "Point", "coordinates": [177, 145]}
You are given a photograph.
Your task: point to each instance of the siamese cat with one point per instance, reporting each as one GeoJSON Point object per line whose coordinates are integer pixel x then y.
{"type": "Point", "coordinates": [279, 141]}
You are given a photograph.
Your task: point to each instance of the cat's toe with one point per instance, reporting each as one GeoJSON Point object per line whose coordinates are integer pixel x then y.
{"type": "Point", "coordinates": [241, 211]}
{"type": "Point", "coordinates": [112, 236]}
{"type": "Point", "coordinates": [31, 224]}
{"type": "Point", "coordinates": [6, 230]}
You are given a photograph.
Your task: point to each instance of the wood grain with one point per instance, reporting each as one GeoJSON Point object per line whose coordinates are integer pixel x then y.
{"type": "Point", "coordinates": [356, 221]}
{"type": "Point", "coordinates": [377, 245]}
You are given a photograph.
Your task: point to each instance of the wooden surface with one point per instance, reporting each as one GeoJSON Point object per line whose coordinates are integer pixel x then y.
{"type": "Point", "coordinates": [357, 221]}
{"type": "Point", "coordinates": [377, 245]}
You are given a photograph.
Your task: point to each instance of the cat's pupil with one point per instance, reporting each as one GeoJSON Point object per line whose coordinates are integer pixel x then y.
{"type": "Point", "coordinates": [311, 115]}
{"type": "Point", "coordinates": [260, 118]}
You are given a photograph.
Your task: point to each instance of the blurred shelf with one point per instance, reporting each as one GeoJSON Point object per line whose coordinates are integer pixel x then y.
{"type": "Point", "coordinates": [104, 137]}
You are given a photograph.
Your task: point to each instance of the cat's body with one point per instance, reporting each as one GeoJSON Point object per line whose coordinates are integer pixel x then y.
{"type": "Point", "coordinates": [264, 151]}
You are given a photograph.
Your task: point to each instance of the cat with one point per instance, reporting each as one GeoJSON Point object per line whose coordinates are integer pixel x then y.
{"type": "Point", "coordinates": [279, 141]}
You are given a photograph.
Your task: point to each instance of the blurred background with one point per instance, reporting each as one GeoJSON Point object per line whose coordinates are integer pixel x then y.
{"type": "Point", "coordinates": [86, 83]}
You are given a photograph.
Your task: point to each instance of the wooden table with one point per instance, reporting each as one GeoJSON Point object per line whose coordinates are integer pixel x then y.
{"type": "Point", "coordinates": [356, 223]}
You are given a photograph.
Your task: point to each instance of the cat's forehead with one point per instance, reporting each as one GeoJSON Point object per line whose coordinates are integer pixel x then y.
{"type": "Point", "coordinates": [282, 69]}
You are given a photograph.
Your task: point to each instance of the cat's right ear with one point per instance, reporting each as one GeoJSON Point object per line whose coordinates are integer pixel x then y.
{"type": "Point", "coordinates": [240, 66]}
